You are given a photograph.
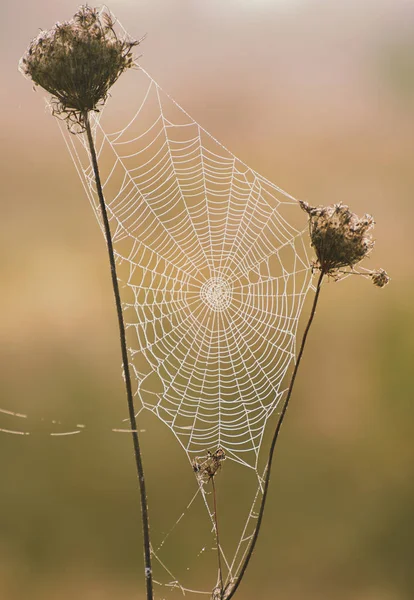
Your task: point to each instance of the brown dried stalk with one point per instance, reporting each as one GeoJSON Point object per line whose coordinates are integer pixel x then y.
{"type": "Point", "coordinates": [340, 239]}
{"type": "Point", "coordinates": [78, 62]}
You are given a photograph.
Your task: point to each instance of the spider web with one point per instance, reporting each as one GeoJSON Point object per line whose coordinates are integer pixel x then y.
{"type": "Point", "coordinates": [214, 274]}
{"type": "Point", "coordinates": [213, 266]}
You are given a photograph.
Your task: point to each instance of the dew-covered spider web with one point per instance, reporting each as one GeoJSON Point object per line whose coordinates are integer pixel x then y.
{"type": "Point", "coordinates": [213, 272]}
{"type": "Point", "coordinates": [213, 265]}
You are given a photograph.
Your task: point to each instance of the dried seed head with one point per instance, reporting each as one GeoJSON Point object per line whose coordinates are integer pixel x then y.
{"type": "Point", "coordinates": [379, 277]}
{"type": "Point", "coordinates": [340, 238]}
{"type": "Point", "coordinates": [206, 468]}
{"type": "Point", "coordinates": [78, 62]}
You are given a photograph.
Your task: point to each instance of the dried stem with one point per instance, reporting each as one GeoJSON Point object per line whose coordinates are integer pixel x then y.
{"type": "Point", "coordinates": [274, 440]}
{"type": "Point", "coordinates": [131, 410]}
{"type": "Point", "coordinates": [220, 570]}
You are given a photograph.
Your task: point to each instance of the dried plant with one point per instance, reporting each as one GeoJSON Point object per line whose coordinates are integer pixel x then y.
{"type": "Point", "coordinates": [78, 62]}
{"type": "Point", "coordinates": [341, 240]}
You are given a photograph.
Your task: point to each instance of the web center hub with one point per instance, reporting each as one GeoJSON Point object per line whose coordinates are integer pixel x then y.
{"type": "Point", "coordinates": [216, 293]}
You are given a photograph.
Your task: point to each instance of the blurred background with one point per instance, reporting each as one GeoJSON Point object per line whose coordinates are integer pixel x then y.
{"type": "Point", "coordinates": [318, 97]}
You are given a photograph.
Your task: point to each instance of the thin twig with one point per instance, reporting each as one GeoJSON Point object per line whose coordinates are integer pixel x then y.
{"type": "Point", "coordinates": [220, 570]}
{"type": "Point", "coordinates": [128, 387]}
{"type": "Point", "coordinates": [274, 440]}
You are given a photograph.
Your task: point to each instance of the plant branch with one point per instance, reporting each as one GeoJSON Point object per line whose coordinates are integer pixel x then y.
{"type": "Point", "coordinates": [220, 570]}
{"type": "Point", "coordinates": [274, 440]}
{"type": "Point", "coordinates": [128, 387]}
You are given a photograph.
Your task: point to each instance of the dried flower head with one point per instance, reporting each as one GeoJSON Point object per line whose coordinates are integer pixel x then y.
{"type": "Point", "coordinates": [206, 468]}
{"type": "Point", "coordinates": [78, 62]}
{"type": "Point", "coordinates": [379, 277]}
{"type": "Point", "coordinates": [340, 238]}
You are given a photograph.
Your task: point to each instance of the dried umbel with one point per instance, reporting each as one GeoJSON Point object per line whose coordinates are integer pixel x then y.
{"type": "Point", "coordinates": [207, 468]}
{"type": "Point", "coordinates": [340, 238]}
{"type": "Point", "coordinates": [78, 61]}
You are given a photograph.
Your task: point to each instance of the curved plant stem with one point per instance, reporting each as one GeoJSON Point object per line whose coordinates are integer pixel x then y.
{"type": "Point", "coordinates": [273, 444]}
{"type": "Point", "coordinates": [131, 410]}
{"type": "Point", "coordinates": [220, 570]}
